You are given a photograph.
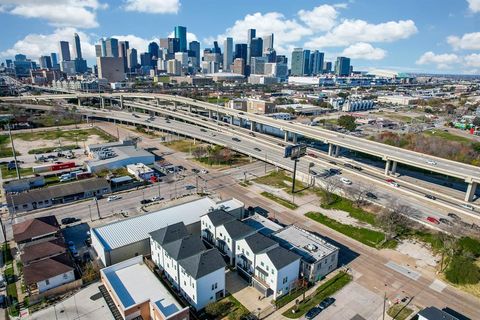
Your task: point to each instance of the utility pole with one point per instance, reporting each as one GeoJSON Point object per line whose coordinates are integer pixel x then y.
{"type": "Point", "coordinates": [90, 211]}
{"type": "Point", "coordinates": [98, 209]}
{"type": "Point", "coordinates": [14, 153]}
{"type": "Point", "coordinates": [294, 174]}
{"type": "Point", "coordinates": [384, 306]}
{"type": "Point", "coordinates": [159, 182]}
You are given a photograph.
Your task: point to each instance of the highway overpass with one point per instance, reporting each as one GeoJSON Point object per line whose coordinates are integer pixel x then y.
{"type": "Point", "coordinates": [391, 155]}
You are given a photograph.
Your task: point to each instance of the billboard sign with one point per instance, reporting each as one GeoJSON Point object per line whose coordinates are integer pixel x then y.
{"type": "Point", "coordinates": [295, 151]}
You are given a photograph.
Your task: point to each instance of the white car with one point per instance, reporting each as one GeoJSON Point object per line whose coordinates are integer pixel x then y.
{"type": "Point", "coordinates": [433, 163]}
{"type": "Point", "coordinates": [205, 171]}
{"type": "Point", "coordinates": [346, 181]}
{"type": "Point", "coordinates": [113, 198]}
{"type": "Point", "coordinates": [467, 206]}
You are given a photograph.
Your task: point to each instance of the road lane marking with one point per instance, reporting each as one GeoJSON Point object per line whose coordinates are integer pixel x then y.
{"type": "Point", "coordinates": [403, 270]}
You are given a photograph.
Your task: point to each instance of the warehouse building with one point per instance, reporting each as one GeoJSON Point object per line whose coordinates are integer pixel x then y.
{"type": "Point", "coordinates": [122, 240]}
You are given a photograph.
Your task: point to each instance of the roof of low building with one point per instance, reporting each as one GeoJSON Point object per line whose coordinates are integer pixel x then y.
{"type": "Point", "coordinates": [258, 242]}
{"type": "Point", "coordinates": [58, 191]}
{"type": "Point", "coordinates": [35, 228]}
{"type": "Point", "coordinates": [281, 257]}
{"type": "Point", "coordinates": [169, 233]}
{"type": "Point", "coordinates": [42, 250]}
{"type": "Point", "coordinates": [203, 263]}
{"type": "Point", "coordinates": [184, 248]}
{"type": "Point", "coordinates": [237, 229]}
{"type": "Point", "coordinates": [47, 268]}
{"type": "Point", "coordinates": [433, 313]}
{"type": "Point", "coordinates": [219, 217]}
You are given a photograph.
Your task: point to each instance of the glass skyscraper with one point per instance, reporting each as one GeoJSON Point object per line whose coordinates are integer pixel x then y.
{"type": "Point", "coordinates": [181, 34]}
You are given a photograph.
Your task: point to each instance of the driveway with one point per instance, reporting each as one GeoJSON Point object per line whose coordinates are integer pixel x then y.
{"type": "Point", "coordinates": [86, 304]}
{"type": "Point", "coordinates": [247, 295]}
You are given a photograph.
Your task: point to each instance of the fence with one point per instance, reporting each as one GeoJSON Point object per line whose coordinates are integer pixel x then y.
{"type": "Point", "coordinates": [35, 298]}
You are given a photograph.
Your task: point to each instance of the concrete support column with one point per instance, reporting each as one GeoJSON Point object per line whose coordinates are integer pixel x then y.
{"type": "Point", "coordinates": [330, 149]}
{"type": "Point", "coordinates": [294, 138]}
{"type": "Point", "coordinates": [79, 102]}
{"type": "Point", "coordinates": [190, 109]}
{"type": "Point", "coordinates": [394, 167]}
{"type": "Point", "coordinates": [337, 151]}
{"type": "Point", "coordinates": [209, 114]}
{"type": "Point", "coordinates": [252, 126]}
{"type": "Point", "coordinates": [102, 102]}
{"type": "Point", "coordinates": [471, 189]}
{"type": "Point", "coordinates": [285, 136]}
{"type": "Point", "coordinates": [387, 167]}
{"type": "Point", "coordinates": [231, 120]}
{"type": "Point", "coordinates": [174, 105]}
{"type": "Point", "coordinates": [158, 102]}
{"type": "Point", "coordinates": [121, 102]}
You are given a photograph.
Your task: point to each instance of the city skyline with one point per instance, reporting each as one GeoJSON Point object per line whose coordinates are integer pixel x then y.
{"type": "Point", "coordinates": [402, 39]}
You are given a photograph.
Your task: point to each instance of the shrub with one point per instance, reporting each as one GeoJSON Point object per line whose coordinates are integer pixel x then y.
{"type": "Point", "coordinates": [470, 245]}
{"type": "Point", "coordinates": [463, 270]}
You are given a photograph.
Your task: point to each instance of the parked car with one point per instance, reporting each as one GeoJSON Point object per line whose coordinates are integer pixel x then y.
{"type": "Point", "coordinates": [113, 198]}
{"type": "Point", "coordinates": [204, 171]}
{"type": "Point", "coordinates": [312, 313]}
{"type": "Point", "coordinates": [326, 303]}
{"type": "Point", "coordinates": [371, 195]}
{"type": "Point", "coordinates": [429, 196]}
{"type": "Point", "coordinates": [346, 181]}
{"type": "Point", "coordinates": [195, 170]}
{"type": "Point", "coordinates": [433, 220]}
{"type": "Point", "coordinates": [189, 187]}
{"type": "Point", "coordinates": [69, 220]}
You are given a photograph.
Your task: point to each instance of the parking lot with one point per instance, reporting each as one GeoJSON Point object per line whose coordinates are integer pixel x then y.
{"type": "Point", "coordinates": [77, 234]}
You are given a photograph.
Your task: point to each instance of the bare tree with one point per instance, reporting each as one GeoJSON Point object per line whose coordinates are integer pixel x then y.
{"type": "Point", "coordinates": [330, 186]}
{"type": "Point", "coordinates": [395, 221]}
{"type": "Point", "coordinates": [358, 193]}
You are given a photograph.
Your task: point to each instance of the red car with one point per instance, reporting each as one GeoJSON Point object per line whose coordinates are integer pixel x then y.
{"type": "Point", "coordinates": [313, 155]}
{"type": "Point", "coordinates": [433, 220]}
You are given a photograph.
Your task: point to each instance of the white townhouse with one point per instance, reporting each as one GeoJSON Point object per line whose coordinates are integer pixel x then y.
{"type": "Point", "coordinates": [210, 223]}
{"type": "Point", "coordinates": [247, 251]}
{"type": "Point", "coordinates": [228, 236]}
{"type": "Point", "coordinates": [202, 278]}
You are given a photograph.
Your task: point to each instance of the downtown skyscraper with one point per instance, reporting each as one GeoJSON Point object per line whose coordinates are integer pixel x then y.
{"type": "Point", "coordinates": [181, 34]}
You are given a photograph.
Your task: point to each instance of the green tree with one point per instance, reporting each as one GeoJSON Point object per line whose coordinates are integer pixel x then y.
{"type": "Point", "coordinates": [347, 122]}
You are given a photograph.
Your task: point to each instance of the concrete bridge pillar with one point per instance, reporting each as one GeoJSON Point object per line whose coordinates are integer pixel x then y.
{"type": "Point", "coordinates": [231, 120]}
{"type": "Point", "coordinates": [121, 102]}
{"type": "Point", "coordinates": [175, 105]}
{"type": "Point", "coordinates": [79, 100]}
{"type": "Point", "coordinates": [158, 102]}
{"type": "Point", "coordinates": [294, 138]}
{"type": "Point", "coordinates": [330, 149]}
{"type": "Point", "coordinates": [393, 170]}
{"type": "Point", "coordinates": [337, 151]}
{"type": "Point", "coordinates": [471, 189]}
{"type": "Point", "coordinates": [387, 167]}
{"type": "Point", "coordinates": [209, 114]}
{"type": "Point", "coordinates": [102, 102]}
{"type": "Point", "coordinates": [285, 136]}
{"type": "Point", "coordinates": [190, 109]}
{"type": "Point", "coordinates": [253, 126]}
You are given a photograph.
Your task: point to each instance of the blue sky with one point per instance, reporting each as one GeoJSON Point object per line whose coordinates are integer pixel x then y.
{"type": "Point", "coordinates": [409, 35]}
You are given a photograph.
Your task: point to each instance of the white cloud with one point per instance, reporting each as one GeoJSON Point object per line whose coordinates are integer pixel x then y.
{"type": "Point", "coordinates": [190, 36]}
{"type": "Point", "coordinates": [59, 13]}
{"type": "Point", "coordinates": [469, 41]}
{"type": "Point", "coordinates": [442, 61]}
{"type": "Point", "coordinates": [352, 31]}
{"type": "Point", "coordinates": [287, 31]}
{"type": "Point", "coordinates": [153, 6]}
{"type": "Point", "coordinates": [473, 60]}
{"type": "Point", "coordinates": [35, 45]}
{"type": "Point", "coordinates": [365, 51]}
{"type": "Point", "coordinates": [321, 18]}
{"type": "Point", "coordinates": [474, 5]}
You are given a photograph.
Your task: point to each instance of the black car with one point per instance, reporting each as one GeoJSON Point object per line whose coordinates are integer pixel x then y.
{"type": "Point", "coordinates": [257, 149]}
{"type": "Point", "coordinates": [357, 168]}
{"type": "Point", "coordinates": [446, 221]}
{"type": "Point", "coordinates": [371, 195]}
{"type": "Point", "coordinates": [252, 134]}
{"type": "Point", "coordinates": [194, 170]}
{"type": "Point", "coordinates": [332, 162]}
{"type": "Point", "coordinates": [236, 139]}
{"type": "Point", "coordinates": [454, 216]}
{"type": "Point", "coordinates": [429, 196]}
{"type": "Point", "coordinates": [312, 313]}
{"type": "Point", "coordinates": [335, 171]}
{"type": "Point", "coordinates": [145, 201]}
{"type": "Point", "coordinates": [69, 220]}
{"type": "Point", "coordinates": [203, 130]}
{"type": "Point", "coordinates": [348, 165]}
{"type": "Point", "coordinates": [326, 303]}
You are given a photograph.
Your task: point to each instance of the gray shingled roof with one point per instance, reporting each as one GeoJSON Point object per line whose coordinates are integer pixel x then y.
{"type": "Point", "coordinates": [281, 257]}
{"type": "Point", "coordinates": [169, 233]}
{"type": "Point", "coordinates": [433, 313]}
{"type": "Point", "coordinates": [219, 217]}
{"type": "Point", "coordinates": [203, 263]}
{"type": "Point", "coordinates": [237, 229]}
{"type": "Point", "coordinates": [184, 248]}
{"type": "Point", "coordinates": [258, 242]}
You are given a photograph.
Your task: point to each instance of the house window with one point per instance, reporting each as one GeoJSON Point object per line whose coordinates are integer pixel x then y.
{"type": "Point", "coordinates": [215, 285]}
{"type": "Point", "coordinates": [273, 271]}
{"type": "Point", "coordinates": [261, 263]}
{"type": "Point", "coordinates": [47, 282]}
{"type": "Point", "coordinates": [238, 247]}
{"type": "Point", "coordinates": [267, 268]}
{"type": "Point", "coordinates": [285, 280]}
{"type": "Point", "coordinates": [193, 284]}
{"type": "Point", "coordinates": [248, 253]}
{"type": "Point", "coordinates": [65, 275]}
{"type": "Point", "coordinates": [221, 234]}
{"type": "Point", "coordinates": [193, 297]}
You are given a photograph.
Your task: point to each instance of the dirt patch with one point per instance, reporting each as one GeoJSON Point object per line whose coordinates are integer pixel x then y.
{"type": "Point", "coordinates": [419, 251]}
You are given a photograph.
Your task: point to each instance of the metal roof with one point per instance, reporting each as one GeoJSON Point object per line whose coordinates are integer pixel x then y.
{"type": "Point", "coordinates": [125, 232]}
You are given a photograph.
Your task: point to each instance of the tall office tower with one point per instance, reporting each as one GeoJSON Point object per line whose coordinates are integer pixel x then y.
{"type": "Point", "coordinates": [316, 62]}
{"type": "Point", "coordinates": [241, 51]}
{"type": "Point", "coordinates": [306, 63]}
{"type": "Point", "coordinates": [98, 50]}
{"type": "Point", "coordinates": [251, 33]}
{"type": "Point", "coordinates": [194, 51]}
{"type": "Point", "coordinates": [182, 57]}
{"type": "Point", "coordinates": [54, 58]}
{"type": "Point", "coordinates": [111, 45]}
{"type": "Point", "coordinates": [145, 59]}
{"type": "Point", "coordinates": [327, 67]}
{"type": "Point", "coordinates": [268, 42]}
{"type": "Point", "coordinates": [123, 47]}
{"type": "Point", "coordinates": [271, 55]}
{"type": "Point", "coordinates": [256, 47]}
{"type": "Point", "coordinates": [216, 48]}
{"type": "Point", "coordinates": [170, 46]}
{"type": "Point", "coordinates": [342, 66]}
{"type": "Point", "coordinates": [132, 59]}
{"type": "Point", "coordinates": [238, 66]}
{"type": "Point", "coordinates": [110, 68]}
{"type": "Point", "coordinates": [281, 59]}
{"type": "Point", "coordinates": [297, 62]}
{"type": "Point", "coordinates": [77, 48]}
{"type": "Point", "coordinates": [257, 65]}
{"type": "Point", "coordinates": [64, 51]}
{"type": "Point", "coordinates": [174, 67]}
{"type": "Point", "coordinates": [104, 47]}
{"type": "Point", "coordinates": [227, 53]}
{"type": "Point", "coordinates": [45, 62]}
{"type": "Point", "coordinates": [153, 49]}
{"type": "Point", "coordinates": [181, 34]}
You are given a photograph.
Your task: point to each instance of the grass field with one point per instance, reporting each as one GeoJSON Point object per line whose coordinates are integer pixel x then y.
{"type": "Point", "coordinates": [50, 149]}
{"type": "Point", "coordinates": [327, 289]}
{"type": "Point", "coordinates": [399, 312]}
{"type": "Point", "coordinates": [447, 136]}
{"type": "Point", "coordinates": [185, 145]}
{"type": "Point", "coordinates": [366, 236]}
{"type": "Point", "coordinates": [5, 148]}
{"type": "Point", "coordinates": [13, 173]}
{"type": "Point", "coordinates": [279, 179]}
{"type": "Point", "coordinates": [283, 202]}
{"type": "Point", "coordinates": [70, 135]}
